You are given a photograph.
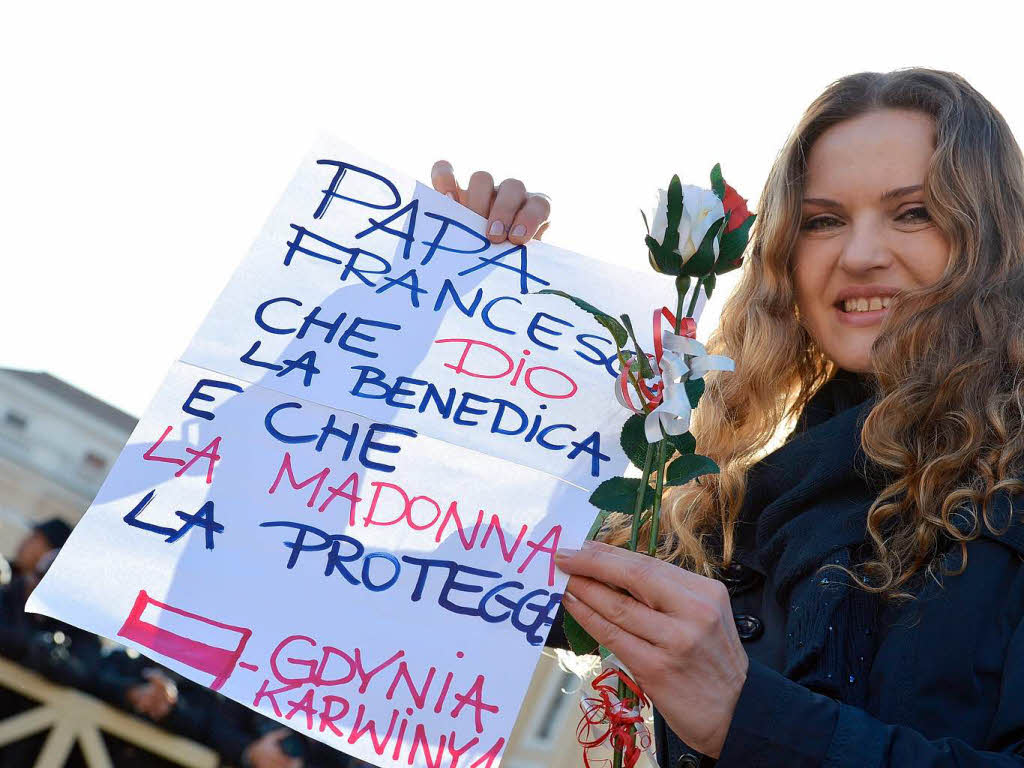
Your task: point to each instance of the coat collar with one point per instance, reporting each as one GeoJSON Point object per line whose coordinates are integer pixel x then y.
{"type": "Point", "coordinates": [822, 461]}
{"type": "Point", "coordinates": [779, 529]}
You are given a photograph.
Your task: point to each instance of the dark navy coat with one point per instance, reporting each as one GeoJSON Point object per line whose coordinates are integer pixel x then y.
{"type": "Point", "coordinates": [837, 678]}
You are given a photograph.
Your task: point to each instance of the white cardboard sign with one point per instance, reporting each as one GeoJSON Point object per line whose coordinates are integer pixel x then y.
{"type": "Point", "coordinates": [342, 505]}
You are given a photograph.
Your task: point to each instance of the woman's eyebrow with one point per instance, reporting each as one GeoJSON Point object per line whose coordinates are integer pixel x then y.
{"type": "Point", "coordinates": [892, 193]}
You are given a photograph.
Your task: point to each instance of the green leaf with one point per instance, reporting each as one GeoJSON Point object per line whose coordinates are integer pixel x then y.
{"type": "Point", "coordinates": [717, 182]}
{"type": "Point", "coordinates": [646, 225]}
{"type": "Point", "coordinates": [634, 441]}
{"type": "Point", "coordinates": [709, 284]}
{"type": "Point", "coordinates": [732, 245]}
{"type": "Point", "coordinates": [642, 362]}
{"type": "Point", "coordinates": [675, 213]}
{"type": "Point", "coordinates": [579, 639]}
{"type": "Point", "coordinates": [666, 261]}
{"type": "Point", "coordinates": [703, 261]}
{"type": "Point", "coordinates": [684, 443]}
{"type": "Point", "coordinates": [613, 326]}
{"type": "Point", "coordinates": [618, 494]}
{"type": "Point", "coordinates": [654, 250]}
{"type": "Point", "coordinates": [694, 389]}
{"type": "Point", "coordinates": [595, 528]}
{"type": "Point", "coordinates": [687, 467]}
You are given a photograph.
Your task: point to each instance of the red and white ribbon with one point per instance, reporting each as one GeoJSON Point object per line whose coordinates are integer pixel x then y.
{"type": "Point", "coordinates": [677, 358]}
{"type": "Point", "coordinates": [607, 719]}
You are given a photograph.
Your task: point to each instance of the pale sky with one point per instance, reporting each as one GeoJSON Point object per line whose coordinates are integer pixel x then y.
{"type": "Point", "coordinates": [143, 145]}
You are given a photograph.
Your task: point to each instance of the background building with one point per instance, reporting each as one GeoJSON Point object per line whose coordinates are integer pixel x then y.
{"type": "Point", "coordinates": [56, 445]}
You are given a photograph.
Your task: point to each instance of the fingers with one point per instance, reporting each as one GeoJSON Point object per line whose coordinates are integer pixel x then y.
{"type": "Point", "coordinates": [512, 213]}
{"type": "Point", "coordinates": [149, 706]}
{"type": "Point", "coordinates": [530, 218]}
{"type": "Point", "coordinates": [510, 197]}
{"type": "Point", "coordinates": [621, 609]}
{"type": "Point", "coordinates": [161, 682]}
{"type": "Point", "coordinates": [619, 641]}
{"type": "Point", "coordinates": [442, 176]}
{"type": "Point", "coordinates": [480, 193]}
{"type": "Point", "coordinates": [662, 586]}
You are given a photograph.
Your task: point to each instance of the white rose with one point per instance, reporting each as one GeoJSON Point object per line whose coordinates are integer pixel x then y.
{"type": "Point", "coordinates": [701, 209]}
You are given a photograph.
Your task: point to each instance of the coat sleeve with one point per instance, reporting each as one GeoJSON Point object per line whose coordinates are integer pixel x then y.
{"type": "Point", "coordinates": [781, 724]}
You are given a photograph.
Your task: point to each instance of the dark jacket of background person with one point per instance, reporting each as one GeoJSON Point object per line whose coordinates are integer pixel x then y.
{"type": "Point", "coordinates": [119, 671]}
{"type": "Point", "coordinates": [203, 715]}
{"type": "Point", "coordinates": [233, 727]}
{"type": "Point", "coordinates": [65, 654]}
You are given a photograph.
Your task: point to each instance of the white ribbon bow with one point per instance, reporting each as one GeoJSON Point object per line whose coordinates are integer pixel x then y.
{"type": "Point", "coordinates": [673, 413]}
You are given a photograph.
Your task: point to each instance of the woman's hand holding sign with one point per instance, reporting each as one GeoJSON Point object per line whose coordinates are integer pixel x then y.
{"type": "Point", "coordinates": [672, 628]}
{"type": "Point", "coordinates": [512, 213]}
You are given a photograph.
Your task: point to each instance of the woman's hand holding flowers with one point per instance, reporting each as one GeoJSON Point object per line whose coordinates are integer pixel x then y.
{"type": "Point", "coordinates": [673, 629]}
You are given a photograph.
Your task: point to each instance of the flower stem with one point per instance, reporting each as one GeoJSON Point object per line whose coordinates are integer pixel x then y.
{"type": "Point", "coordinates": [652, 546]}
{"type": "Point", "coordinates": [693, 302]}
{"type": "Point", "coordinates": [680, 295]}
{"type": "Point", "coordinates": [638, 508]}
{"type": "Point", "coordinates": [617, 757]}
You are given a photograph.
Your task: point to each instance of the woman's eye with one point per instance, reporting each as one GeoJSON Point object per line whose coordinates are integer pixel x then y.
{"type": "Point", "coordinates": [814, 223]}
{"type": "Point", "coordinates": [920, 213]}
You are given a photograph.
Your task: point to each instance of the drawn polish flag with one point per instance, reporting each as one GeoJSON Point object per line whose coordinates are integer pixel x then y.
{"type": "Point", "coordinates": [203, 644]}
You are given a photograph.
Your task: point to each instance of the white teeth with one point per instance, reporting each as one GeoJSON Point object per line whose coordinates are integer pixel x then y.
{"type": "Point", "coordinates": [864, 304]}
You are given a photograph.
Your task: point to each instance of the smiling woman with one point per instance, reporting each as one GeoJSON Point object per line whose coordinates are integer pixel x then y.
{"type": "Point", "coordinates": [857, 249]}
{"type": "Point", "coordinates": [856, 596]}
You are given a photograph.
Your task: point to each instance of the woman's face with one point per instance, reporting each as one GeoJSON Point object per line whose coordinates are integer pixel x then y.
{"type": "Point", "coordinates": [865, 232]}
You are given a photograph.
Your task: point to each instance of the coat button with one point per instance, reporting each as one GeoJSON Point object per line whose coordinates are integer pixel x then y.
{"type": "Point", "coordinates": [688, 760]}
{"type": "Point", "coordinates": [748, 627]}
{"type": "Point", "coordinates": [738, 578]}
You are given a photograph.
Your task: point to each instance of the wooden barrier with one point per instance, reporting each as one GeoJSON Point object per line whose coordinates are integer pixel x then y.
{"type": "Point", "coordinates": [72, 716]}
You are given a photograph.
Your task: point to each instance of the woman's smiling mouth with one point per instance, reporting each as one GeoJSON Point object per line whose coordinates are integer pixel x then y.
{"type": "Point", "coordinates": [864, 305]}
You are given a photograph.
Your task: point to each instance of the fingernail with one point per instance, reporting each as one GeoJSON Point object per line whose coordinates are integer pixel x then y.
{"type": "Point", "coordinates": [569, 597]}
{"type": "Point", "coordinates": [564, 554]}
{"type": "Point", "coordinates": [518, 230]}
{"type": "Point", "coordinates": [496, 228]}
{"type": "Point", "coordinates": [450, 196]}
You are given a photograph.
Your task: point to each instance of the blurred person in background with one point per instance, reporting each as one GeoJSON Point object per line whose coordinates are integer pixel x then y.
{"type": "Point", "coordinates": [247, 739]}
{"type": "Point", "coordinates": [132, 682]}
{"type": "Point", "coordinates": [65, 654]}
{"type": "Point", "coordinates": [45, 536]}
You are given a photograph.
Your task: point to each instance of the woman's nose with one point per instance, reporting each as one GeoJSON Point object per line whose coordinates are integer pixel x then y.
{"type": "Point", "coordinates": [865, 248]}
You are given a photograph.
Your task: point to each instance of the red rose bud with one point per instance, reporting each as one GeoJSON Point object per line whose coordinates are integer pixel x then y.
{"type": "Point", "coordinates": [736, 207]}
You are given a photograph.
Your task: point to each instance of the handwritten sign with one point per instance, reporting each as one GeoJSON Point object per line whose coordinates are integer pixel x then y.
{"type": "Point", "coordinates": [342, 506]}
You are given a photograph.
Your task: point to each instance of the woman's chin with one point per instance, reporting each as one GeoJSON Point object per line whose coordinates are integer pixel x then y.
{"type": "Point", "coordinates": [852, 351]}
